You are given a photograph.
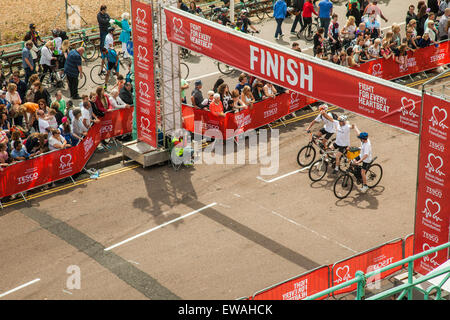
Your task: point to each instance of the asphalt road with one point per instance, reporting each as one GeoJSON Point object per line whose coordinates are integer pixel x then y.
{"type": "Point", "coordinates": [205, 232]}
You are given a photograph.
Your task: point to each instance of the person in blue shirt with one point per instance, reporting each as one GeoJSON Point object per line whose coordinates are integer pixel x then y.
{"type": "Point", "coordinates": [325, 12]}
{"type": "Point", "coordinates": [73, 69]}
{"type": "Point", "coordinates": [279, 13]}
{"type": "Point", "coordinates": [112, 64]}
{"type": "Point", "coordinates": [19, 153]}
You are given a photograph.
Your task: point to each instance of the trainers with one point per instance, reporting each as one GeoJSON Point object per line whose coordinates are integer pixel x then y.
{"type": "Point", "coordinates": [335, 171]}
{"type": "Point", "coordinates": [364, 189]}
{"type": "Point", "coordinates": [294, 33]}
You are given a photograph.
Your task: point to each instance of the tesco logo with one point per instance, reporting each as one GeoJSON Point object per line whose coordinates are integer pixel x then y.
{"type": "Point", "coordinates": [270, 112]}
{"type": "Point", "coordinates": [27, 178]}
{"type": "Point", "coordinates": [106, 129]}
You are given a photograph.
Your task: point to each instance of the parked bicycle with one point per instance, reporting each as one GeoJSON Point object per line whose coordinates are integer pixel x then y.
{"type": "Point", "coordinates": [253, 6]}
{"type": "Point", "coordinates": [307, 154]}
{"type": "Point", "coordinates": [56, 79]}
{"type": "Point", "coordinates": [90, 48]}
{"type": "Point", "coordinates": [184, 70]}
{"type": "Point", "coordinates": [344, 183]}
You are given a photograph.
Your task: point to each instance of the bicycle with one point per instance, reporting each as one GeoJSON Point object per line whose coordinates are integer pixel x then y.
{"type": "Point", "coordinates": [55, 79]}
{"type": "Point", "coordinates": [97, 74]}
{"type": "Point", "coordinates": [215, 12]}
{"type": "Point", "coordinates": [319, 168]}
{"type": "Point", "coordinates": [344, 183]}
{"type": "Point", "coordinates": [307, 154]}
{"type": "Point", "coordinates": [90, 49]}
{"type": "Point", "coordinates": [309, 32]}
{"type": "Point", "coordinates": [224, 68]}
{"type": "Point", "coordinates": [184, 70]}
{"type": "Point", "coordinates": [253, 5]}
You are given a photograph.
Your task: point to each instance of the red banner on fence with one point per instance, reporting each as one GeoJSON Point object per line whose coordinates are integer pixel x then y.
{"type": "Point", "coordinates": [60, 164]}
{"type": "Point", "coordinates": [433, 195]}
{"type": "Point", "coordinates": [262, 113]}
{"type": "Point", "coordinates": [143, 72]}
{"type": "Point", "coordinates": [377, 99]}
{"type": "Point", "coordinates": [298, 288]}
{"type": "Point", "coordinates": [367, 262]}
{"type": "Point", "coordinates": [421, 60]}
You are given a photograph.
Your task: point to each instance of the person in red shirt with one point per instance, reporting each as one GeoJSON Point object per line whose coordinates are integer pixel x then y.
{"type": "Point", "coordinates": [102, 101]}
{"type": "Point", "coordinates": [308, 10]}
{"type": "Point", "coordinates": [216, 106]}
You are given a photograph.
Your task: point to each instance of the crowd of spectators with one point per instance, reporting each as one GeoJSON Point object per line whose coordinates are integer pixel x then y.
{"type": "Point", "coordinates": [360, 38]}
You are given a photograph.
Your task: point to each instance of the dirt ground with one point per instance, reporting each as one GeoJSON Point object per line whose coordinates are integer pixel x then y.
{"type": "Point", "coordinates": [254, 232]}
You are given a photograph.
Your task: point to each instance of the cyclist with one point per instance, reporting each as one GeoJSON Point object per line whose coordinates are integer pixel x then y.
{"type": "Point", "coordinates": [342, 136]}
{"type": "Point", "coordinates": [365, 157]}
{"type": "Point", "coordinates": [328, 126]}
{"type": "Point", "coordinates": [246, 22]}
{"type": "Point", "coordinates": [112, 62]}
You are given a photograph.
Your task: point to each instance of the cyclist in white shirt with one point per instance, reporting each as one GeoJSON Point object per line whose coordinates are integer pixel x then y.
{"type": "Point", "coordinates": [365, 157]}
{"type": "Point", "coordinates": [342, 137]}
{"type": "Point", "coordinates": [328, 126]}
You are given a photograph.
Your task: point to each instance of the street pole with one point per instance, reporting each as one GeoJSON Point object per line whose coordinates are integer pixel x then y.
{"type": "Point", "coordinates": [232, 11]}
{"type": "Point", "coordinates": [67, 15]}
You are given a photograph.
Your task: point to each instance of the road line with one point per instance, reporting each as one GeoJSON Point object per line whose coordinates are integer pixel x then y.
{"type": "Point", "coordinates": [313, 231]}
{"type": "Point", "coordinates": [283, 176]}
{"type": "Point", "coordinates": [160, 226]}
{"type": "Point", "coordinates": [20, 287]}
{"type": "Point", "coordinates": [204, 76]}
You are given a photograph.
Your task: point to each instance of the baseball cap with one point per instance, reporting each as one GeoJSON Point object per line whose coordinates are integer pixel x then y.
{"type": "Point", "coordinates": [64, 120]}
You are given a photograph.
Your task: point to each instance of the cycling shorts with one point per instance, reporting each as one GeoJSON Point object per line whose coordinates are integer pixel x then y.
{"type": "Point", "coordinates": [326, 133]}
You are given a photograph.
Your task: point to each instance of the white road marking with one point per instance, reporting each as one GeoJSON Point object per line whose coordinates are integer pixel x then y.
{"type": "Point", "coordinates": [19, 287]}
{"type": "Point", "coordinates": [65, 291]}
{"type": "Point", "coordinates": [283, 176]}
{"type": "Point", "coordinates": [160, 226]}
{"type": "Point", "coordinates": [313, 231]}
{"type": "Point", "coordinates": [204, 76]}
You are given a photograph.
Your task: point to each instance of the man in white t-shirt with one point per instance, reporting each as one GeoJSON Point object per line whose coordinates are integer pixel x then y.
{"type": "Point", "coordinates": [365, 157]}
{"type": "Point", "coordinates": [342, 137]}
{"type": "Point", "coordinates": [86, 114]}
{"type": "Point", "coordinates": [328, 126]}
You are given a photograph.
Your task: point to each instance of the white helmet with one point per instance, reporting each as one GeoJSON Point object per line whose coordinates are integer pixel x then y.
{"type": "Point", "coordinates": [244, 11]}
{"type": "Point", "coordinates": [323, 107]}
{"type": "Point", "coordinates": [342, 117]}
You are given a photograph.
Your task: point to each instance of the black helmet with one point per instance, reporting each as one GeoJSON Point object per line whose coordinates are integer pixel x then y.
{"type": "Point", "coordinates": [32, 26]}
{"type": "Point", "coordinates": [110, 29]}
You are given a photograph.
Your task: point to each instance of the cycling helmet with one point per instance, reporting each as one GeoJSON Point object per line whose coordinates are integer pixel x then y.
{"type": "Point", "coordinates": [323, 107]}
{"type": "Point", "coordinates": [342, 117]}
{"type": "Point", "coordinates": [32, 26]}
{"type": "Point", "coordinates": [110, 29]}
{"type": "Point", "coordinates": [244, 11]}
{"type": "Point", "coordinates": [363, 135]}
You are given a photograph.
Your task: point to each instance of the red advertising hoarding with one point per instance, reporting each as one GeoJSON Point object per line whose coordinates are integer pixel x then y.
{"type": "Point", "coordinates": [385, 102]}
{"type": "Point", "coordinates": [433, 195]}
{"type": "Point", "coordinates": [28, 174]}
{"type": "Point", "coordinates": [144, 73]}
{"type": "Point", "coordinates": [421, 60]}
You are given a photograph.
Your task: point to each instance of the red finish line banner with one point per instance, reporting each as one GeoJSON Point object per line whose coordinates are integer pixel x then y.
{"type": "Point", "coordinates": [433, 196]}
{"type": "Point", "coordinates": [61, 164]}
{"type": "Point", "coordinates": [262, 113]}
{"type": "Point", "coordinates": [386, 103]}
{"type": "Point", "coordinates": [143, 70]}
{"type": "Point", "coordinates": [421, 60]}
{"type": "Point", "coordinates": [298, 288]}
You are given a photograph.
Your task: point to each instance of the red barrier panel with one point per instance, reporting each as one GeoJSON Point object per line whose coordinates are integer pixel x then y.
{"type": "Point", "coordinates": [408, 246]}
{"type": "Point", "coordinates": [433, 195]}
{"type": "Point", "coordinates": [421, 60]}
{"type": "Point", "coordinates": [56, 165]}
{"type": "Point", "coordinates": [367, 262]}
{"type": "Point", "coordinates": [262, 113]}
{"type": "Point", "coordinates": [298, 288]}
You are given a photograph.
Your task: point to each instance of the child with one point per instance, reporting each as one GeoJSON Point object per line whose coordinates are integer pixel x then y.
{"type": "Point", "coordinates": [51, 119]}
{"type": "Point", "coordinates": [120, 82]}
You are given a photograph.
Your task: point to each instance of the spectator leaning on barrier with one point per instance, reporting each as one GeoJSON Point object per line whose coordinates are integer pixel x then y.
{"type": "Point", "coordinates": [73, 69]}
{"type": "Point", "coordinates": [216, 106]}
{"type": "Point", "coordinates": [126, 93]}
{"type": "Point", "coordinates": [57, 141]}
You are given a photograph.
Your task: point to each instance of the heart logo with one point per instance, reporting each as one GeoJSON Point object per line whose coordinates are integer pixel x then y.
{"type": "Point", "coordinates": [343, 274]}
{"type": "Point", "coordinates": [140, 16]}
{"type": "Point", "coordinates": [438, 117]}
{"type": "Point", "coordinates": [178, 24]}
{"type": "Point", "coordinates": [143, 89]}
{"type": "Point", "coordinates": [406, 103]}
{"type": "Point", "coordinates": [434, 164]}
{"type": "Point", "coordinates": [432, 208]}
{"type": "Point", "coordinates": [142, 53]}
{"type": "Point", "coordinates": [65, 161]}
{"type": "Point", "coordinates": [145, 124]}
{"type": "Point", "coordinates": [377, 69]}
{"type": "Point", "coordinates": [426, 247]}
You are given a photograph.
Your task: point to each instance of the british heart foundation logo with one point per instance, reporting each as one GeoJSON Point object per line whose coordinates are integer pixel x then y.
{"type": "Point", "coordinates": [408, 107]}
{"type": "Point", "coordinates": [435, 164]}
{"type": "Point", "coordinates": [145, 125]}
{"type": "Point", "coordinates": [438, 117]}
{"type": "Point", "coordinates": [432, 209]}
{"type": "Point", "coordinates": [65, 163]}
{"type": "Point", "coordinates": [140, 17]}
{"type": "Point", "coordinates": [377, 70]}
{"type": "Point", "coordinates": [177, 25]}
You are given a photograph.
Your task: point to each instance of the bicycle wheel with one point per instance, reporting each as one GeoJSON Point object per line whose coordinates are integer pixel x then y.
{"type": "Point", "coordinates": [343, 186]}
{"type": "Point", "coordinates": [81, 81]}
{"type": "Point", "coordinates": [224, 68]}
{"type": "Point", "coordinates": [49, 81]}
{"type": "Point", "coordinates": [184, 70]}
{"type": "Point", "coordinates": [318, 170]}
{"type": "Point", "coordinates": [306, 156]}
{"type": "Point", "coordinates": [90, 51]}
{"type": "Point", "coordinates": [309, 33]}
{"type": "Point", "coordinates": [98, 75]}
{"type": "Point", "coordinates": [259, 10]}
{"type": "Point", "coordinates": [268, 9]}
{"type": "Point", "coordinates": [373, 175]}
{"type": "Point", "coordinates": [344, 163]}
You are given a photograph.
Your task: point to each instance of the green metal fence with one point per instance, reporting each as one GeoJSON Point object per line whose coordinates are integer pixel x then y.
{"type": "Point", "coordinates": [401, 291]}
